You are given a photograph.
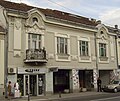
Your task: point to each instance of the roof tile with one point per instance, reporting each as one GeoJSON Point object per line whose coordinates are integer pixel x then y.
{"type": "Point", "coordinates": [49, 12]}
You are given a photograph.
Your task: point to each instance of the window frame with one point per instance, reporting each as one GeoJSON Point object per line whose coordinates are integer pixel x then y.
{"type": "Point", "coordinates": [105, 57]}
{"type": "Point", "coordinates": [37, 40]}
{"type": "Point", "coordinates": [102, 50]}
{"type": "Point", "coordinates": [65, 56]}
{"type": "Point", "coordinates": [62, 45]}
{"type": "Point", "coordinates": [87, 57]}
{"type": "Point", "coordinates": [84, 48]}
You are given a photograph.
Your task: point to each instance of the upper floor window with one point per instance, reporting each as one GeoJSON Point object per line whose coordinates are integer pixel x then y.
{"type": "Point", "coordinates": [101, 32]}
{"type": "Point", "coordinates": [35, 19]}
{"type": "Point", "coordinates": [102, 49]}
{"type": "Point", "coordinates": [83, 45]}
{"type": "Point", "coordinates": [62, 45]}
{"type": "Point", "coordinates": [34, 41]}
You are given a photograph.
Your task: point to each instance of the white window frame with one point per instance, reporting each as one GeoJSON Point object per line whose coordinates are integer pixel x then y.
{"type": "Point", "coordinates": [27, 38]}
{"type": "Point", "coordinates": [102, 47]}
{"type": "Point", "coordinates": [86, 48]}
{"type": "Point", "coordinates": [87, 39]}
{"type": "Point", "coordinates": [62, 43]}
{"type": "Point", "coordinates": [36, 40]}
{"type": "Point", "coordinates": [107, 51]}
{"type": "Point", "coordinates": [68, 46]}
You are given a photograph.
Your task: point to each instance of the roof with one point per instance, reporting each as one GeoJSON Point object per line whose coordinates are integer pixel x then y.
{"type": "Point", "coordinates": [49, 12]}
{"type": "Point", "coordinates": [112, 29]}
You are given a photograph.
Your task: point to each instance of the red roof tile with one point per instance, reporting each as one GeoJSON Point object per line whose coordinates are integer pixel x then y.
{"type": "Point", "coordinates": [49, 12]}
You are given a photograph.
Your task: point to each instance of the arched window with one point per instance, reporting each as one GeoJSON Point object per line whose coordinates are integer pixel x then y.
{"type": "Point", "coordinates": [35, 19]}
{"type": "Point", "coordinates": [101, 32]}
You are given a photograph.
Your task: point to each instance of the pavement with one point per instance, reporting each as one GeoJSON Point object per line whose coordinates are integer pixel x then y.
{"type": "Point", "coordinates": [51, 97]}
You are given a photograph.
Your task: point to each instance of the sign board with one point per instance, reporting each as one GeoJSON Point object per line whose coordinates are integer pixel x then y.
{"type": "Point", "coordinates": [22, 70]}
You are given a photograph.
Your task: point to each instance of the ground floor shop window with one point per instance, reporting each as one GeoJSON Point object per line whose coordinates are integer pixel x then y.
{"type": "Point", "coordinates": [86, 79]}
{"type": "Point", "coordinates": [61, 80]}
{"type": "Point", "coordinates": [31, 84]}
{"type": "Point", "coordinates": [21, 84]}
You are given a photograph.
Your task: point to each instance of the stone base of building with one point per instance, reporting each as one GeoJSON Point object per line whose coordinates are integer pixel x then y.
{"type": "Point", "coordinates": [2, 91]}
{"type": "Point", "coordinates": [48, 93]}
{"type": "Point", "coordinates": [76, 91]}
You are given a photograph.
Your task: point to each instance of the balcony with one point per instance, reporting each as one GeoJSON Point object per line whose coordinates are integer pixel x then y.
{"type": "Point", "coordinates": [35, 56]}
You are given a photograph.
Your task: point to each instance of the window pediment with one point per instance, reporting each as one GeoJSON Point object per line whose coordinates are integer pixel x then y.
{"type": "Point", "coordinates": [35, 28]}
{"type": "Point", "coordinates": [35, 21]}
{"type": "Point", "coordinates": [102, 32]}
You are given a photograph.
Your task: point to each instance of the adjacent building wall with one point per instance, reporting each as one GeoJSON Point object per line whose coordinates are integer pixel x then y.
{"type": "Point", "coordinates": [1, 64]}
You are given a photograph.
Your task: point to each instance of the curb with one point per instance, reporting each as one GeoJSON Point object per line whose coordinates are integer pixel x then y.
{"type": "Point", "coordinates": [53, 97]}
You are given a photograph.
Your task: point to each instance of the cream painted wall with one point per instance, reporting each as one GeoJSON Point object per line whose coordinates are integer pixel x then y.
{"type": "Point", "coordinates": [74, 34]}
{"type": "Point", "coordinates": [49, 82]}
{"type": "Point", "coordinates": [1, 63]}
{"type": "Point", "coordinates": [18, 42]}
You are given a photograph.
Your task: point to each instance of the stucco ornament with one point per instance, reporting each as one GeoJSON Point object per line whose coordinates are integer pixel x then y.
{"type": "Point", "coordinates": [17, 24]}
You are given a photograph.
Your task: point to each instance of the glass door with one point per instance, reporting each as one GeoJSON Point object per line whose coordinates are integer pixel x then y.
{"type": "Point", "coordinates": [26, 85]}
{"type": "Point", "coordinates": [33, 85]}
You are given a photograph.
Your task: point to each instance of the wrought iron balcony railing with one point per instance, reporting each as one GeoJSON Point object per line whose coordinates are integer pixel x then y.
{"type": "Point", "coordinates": [36, 55]}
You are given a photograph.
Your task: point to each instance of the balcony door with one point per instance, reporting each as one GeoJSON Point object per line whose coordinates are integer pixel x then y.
{"type": "Point", "coordinates": [34, 41]}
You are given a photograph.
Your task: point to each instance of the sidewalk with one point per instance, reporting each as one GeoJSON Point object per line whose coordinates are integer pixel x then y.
{"type": "Point", "coordinates": [50, 97]}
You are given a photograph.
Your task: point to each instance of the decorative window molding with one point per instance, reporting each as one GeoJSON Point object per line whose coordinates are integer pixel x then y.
{"type": "Point", "coordinates": [34, 41]}
{"type": "Point", "coordinates": [103, 52]}
{"type": "Point", "coordinates": [102, 44]}
{"type": "Point", "coordinates": [84, 50]}
{"type": "Point", "coordinates": [62, 47]}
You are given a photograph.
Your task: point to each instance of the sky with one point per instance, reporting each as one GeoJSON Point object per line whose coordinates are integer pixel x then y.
{"type": "Point", "coordinates": [108, 11]}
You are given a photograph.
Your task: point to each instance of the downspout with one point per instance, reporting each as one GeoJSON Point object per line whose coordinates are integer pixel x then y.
{"type": "Point", "coordinates": [116, 37]}
{"type": "Point", "coordinates": [96, 74]}
{"type": "Point", "coordinates": [6, 55]}
{"type": "Point", "coordinates": [96, 52]}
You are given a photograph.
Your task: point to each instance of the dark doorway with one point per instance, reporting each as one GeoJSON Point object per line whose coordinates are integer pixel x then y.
{"type": "Point", "coordinates": [86, 79]}
{"type": "Point", "coordinates": [61, 80]}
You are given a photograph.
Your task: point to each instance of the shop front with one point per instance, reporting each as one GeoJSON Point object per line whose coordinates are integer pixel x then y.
{"type": "Point", "coordinates": [31, 81]}
{"type": "Point", "coordinates": [86, 79]}
{"type": "Point", "coordinates": [61, 81]}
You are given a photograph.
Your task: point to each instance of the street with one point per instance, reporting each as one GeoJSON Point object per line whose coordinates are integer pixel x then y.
{"type": "Point", "coordinates": [84, 96]}
{"type": "Point", "coordinates": [101, 97]}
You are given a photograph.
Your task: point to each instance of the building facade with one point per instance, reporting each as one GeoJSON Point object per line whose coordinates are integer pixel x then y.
{"type": "Point", "coordinates": [2, 33]}
{"type": "Point", "coordinates": [51, 51]}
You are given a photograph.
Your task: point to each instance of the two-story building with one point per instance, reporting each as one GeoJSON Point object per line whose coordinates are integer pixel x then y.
{"type": "Point", "coordinates": [51, 51]}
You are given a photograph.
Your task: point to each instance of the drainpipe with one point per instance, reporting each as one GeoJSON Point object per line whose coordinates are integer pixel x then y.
{"type": "Point", "coordinates": [6, 55]}
{"type": "Point", "coordinates": [95, 74]}
{"type": "Point", "coordinates": [116, 37]}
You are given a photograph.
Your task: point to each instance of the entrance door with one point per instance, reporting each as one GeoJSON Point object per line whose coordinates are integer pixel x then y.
{"type": "Point", "coordinates": [33, 85]}
{"type": "Point", "coordinates": [26, 85]}
{"type": "Point", "coordinates": [30, 85]}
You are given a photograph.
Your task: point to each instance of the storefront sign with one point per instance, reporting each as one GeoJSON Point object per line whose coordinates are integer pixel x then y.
{"type": "Point", "coordinates": [23, 70]}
